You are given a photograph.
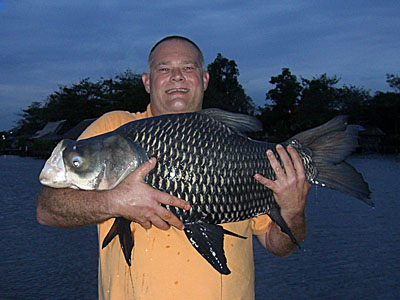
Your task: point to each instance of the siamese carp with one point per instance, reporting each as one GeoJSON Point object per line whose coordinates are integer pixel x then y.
{"type": "Point", "coordinates": [206, 159]}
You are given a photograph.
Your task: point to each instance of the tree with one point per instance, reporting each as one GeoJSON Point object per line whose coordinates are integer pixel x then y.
{"type": "Point", "coordinates": [293, 106]}
{"type": "Point", "coordinates": [278, 116]}
{"type": "Point", "coordinates": [286, 93]}
{"type": "Point", "coordinates": [319, 101]}
{"type": "Point", "coordinates": [125, 92]}
{"type": "Point", "coordinates": [353, 101]}
{"type": "Point", "coordinates": [393, 81]}
{"type": "Point", "coordinates": [74, 103]}
{"type": "Point", "coordinates": [32, 119]}
{"type": "Point", "coordinates": [224, 90]}
{"type": "Point", "coordinates": [86, 100]}
{"type": "Point", "coordinates": [384, 112]}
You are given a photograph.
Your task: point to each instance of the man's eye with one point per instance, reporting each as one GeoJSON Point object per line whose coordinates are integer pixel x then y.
{"type": "Point", "coordinates": [188, 68]}
{"type": "Point", "coordinates": [163, 69]}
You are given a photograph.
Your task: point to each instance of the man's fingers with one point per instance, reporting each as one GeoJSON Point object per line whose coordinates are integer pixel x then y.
{"type": "Point", "coordinates": [298, 164]}
{"type": "Point", "coordinates": [146, 224]}
{"type": "Point", "coordinates": [279, 172]}
{"type": "Point", "coordinates": [275, 164]}
{"type": "Point", "coordinates": [145, 168]}
{"type": "Point", "coordinates": [168, 216]}
{"type": "Point", "coordinates": [159, 223]}
{"type": "Point", "coordinates": [265, 181]}
{"type": "Point", "coordinates": [287, 163]}
{"type": "Point", "coordinates": [161, 218]}
{"type": "Point", "coordinates": [164, 218]}
{"type": "Point", "coordinates": [173, 201]}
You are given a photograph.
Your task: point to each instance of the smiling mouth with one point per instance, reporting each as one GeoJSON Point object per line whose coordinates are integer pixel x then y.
{"type": "Point", "coordinates": [177, 90]}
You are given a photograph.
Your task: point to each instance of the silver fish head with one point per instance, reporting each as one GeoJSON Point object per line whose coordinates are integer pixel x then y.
{"type": "Point", "coordinates": [98, 163]}
{"type": "Point", "coordinates": [53, 173]}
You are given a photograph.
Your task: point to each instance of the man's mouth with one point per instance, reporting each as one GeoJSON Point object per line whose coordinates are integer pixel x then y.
{"type": "Point", "coordinates": [177, 90]}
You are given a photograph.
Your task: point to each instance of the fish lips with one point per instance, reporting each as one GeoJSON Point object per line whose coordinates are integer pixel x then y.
{"type": "Point", "coordinates": [54, 173]}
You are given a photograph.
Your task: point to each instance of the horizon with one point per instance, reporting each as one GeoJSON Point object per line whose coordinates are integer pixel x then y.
{"type": "Point", "coordinates": [58, 44]}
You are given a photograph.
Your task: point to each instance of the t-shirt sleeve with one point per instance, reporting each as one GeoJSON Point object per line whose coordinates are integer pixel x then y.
{"type": "Point", "coordinates": [106, 123]}
{"type": "Point", "coordinates": [260, 224]}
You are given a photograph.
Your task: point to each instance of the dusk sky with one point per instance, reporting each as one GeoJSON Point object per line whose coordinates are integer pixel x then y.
{"type": "Point", "coordinates": [46, 44]}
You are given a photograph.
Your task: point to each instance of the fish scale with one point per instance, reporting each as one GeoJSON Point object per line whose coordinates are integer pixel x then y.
{"type": "Point", "coordinates": [223, 163]}
{"type": "Point", "coordinates": [205, 159]}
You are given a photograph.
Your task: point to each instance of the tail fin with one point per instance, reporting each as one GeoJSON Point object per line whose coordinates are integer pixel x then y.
{"type": "Point", "coordinates": [330, 144]}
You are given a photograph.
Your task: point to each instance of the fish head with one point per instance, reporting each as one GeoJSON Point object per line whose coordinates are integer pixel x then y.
{"type": "Point", "coordinates": [98, 163]}
{"type": "Point", "coordinates": [53, 173]}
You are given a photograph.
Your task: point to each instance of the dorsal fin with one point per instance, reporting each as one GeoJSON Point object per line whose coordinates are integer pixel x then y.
{"type": "Point", "coordinates": [239, 123]}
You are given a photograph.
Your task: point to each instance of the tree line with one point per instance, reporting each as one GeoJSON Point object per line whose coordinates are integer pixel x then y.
{"type": "Point", "coordinates": [293, 105]}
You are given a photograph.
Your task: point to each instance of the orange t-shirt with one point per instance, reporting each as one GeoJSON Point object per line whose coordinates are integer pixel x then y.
{"type": "Point", "coordinates": [164, 263]}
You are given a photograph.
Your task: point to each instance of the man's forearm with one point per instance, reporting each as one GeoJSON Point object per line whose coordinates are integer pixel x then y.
{"type": "Point", "coordinates": [70, 208]}
{"type": "Point", "coordinates": [133, 199]}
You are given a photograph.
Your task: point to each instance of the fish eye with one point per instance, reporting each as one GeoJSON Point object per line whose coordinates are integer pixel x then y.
{"type": "Point", "coordinates": [76, 161]}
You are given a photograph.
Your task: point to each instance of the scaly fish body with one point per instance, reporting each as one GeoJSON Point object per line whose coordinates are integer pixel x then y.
{"type": "Point", "coordinates": [204, 162]}
{"type": "Point", "coordinates": [202, 158]}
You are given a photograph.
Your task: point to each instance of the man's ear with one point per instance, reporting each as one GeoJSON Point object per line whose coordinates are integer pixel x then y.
{"type": "Point", "coordinates": [146, 82]}
{"type": "Point", "coordinates": [206, 78]}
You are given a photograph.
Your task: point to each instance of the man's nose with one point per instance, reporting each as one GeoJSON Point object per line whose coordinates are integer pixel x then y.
{"type": "Point", "coordinates": [177, 74]}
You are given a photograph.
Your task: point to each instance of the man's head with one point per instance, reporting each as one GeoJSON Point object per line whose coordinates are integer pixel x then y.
{"type": "Point", "coordinates": [176, 79]}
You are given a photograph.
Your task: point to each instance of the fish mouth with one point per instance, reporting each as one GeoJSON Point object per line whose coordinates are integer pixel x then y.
{"type": "Point", "coordinates": [177, 90]}
{"type": "Point", "coordinates": [54, 173]}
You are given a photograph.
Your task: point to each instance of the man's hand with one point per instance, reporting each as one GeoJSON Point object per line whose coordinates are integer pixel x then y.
{"type": "Point", "coordinates": [290, 187]}
{"type": "Point", "coordinates": [132, 199]}
{"type": "Point", "coordinates": [290, 191]}
{"type": "Point", "coordinates": [135, 200]}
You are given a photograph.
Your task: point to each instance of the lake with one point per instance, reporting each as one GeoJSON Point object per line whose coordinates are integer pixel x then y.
{"type": "Point", "coordinates": [351, 250]}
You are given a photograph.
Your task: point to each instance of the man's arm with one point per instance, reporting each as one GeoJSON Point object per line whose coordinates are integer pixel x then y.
{"type": "Point", "coordinates": [132, 199]}
{"type": "Point", "coordinates": [290, 191]}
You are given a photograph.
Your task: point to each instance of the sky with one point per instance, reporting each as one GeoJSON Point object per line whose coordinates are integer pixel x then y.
{"type": "Point", "coordinates": [45, 44]}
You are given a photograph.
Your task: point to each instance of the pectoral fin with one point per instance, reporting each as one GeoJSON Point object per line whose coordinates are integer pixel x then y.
{"type": "Point", "coordinates": [122, 227]}
{"type": "Point", "coordinates": [208, 240]}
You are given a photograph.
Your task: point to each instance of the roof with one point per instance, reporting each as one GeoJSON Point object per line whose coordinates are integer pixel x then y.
{"type": "Point", "coordinates": [76, 131]}
{"type": "Point", "coordinates": [49, 131]}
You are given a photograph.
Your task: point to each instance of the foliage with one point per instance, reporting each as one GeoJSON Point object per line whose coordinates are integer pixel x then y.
{"type": "Point", "coordinates": [352, 101]}
{"type": "Point", "coordinates": [384, 111]}
{"type": "Point", "coordinates": [294, 106]}
{"type": "Point", "coordinates": [86, 100]}
{"type": "Point", "coordinates": [32, 119]}
{"type": "Point", "coordinates": [319, 101]}
{"type": "Point", "coordinates": [393, 81]}
{"type": "Point", "coordinates": [90, 100]}
{"type": "Point", "coordinates": [291, 106]}
{"type": "Point", "coordinates": [224, 90]}
{"type": "Point", "coordinates": [285, 98]}
{"type": "Point", "coordinates": [126, 92]}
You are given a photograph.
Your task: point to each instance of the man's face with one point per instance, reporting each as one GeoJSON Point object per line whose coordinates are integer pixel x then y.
{"type": "Point", "coordinates": [176, 82]}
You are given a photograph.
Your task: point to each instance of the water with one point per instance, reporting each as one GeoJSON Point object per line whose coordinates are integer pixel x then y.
{"type": "Point", "coordinates": [351, 251]}
{"type": "Point", "coordinates": [40, 262]}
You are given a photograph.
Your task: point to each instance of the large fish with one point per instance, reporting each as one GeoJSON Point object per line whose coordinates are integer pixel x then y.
{"type": "Point", "coordinates": [205, 159]}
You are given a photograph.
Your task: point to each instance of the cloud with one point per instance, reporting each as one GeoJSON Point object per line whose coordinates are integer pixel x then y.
{"type": "Point", "coordinates": [50, 43]}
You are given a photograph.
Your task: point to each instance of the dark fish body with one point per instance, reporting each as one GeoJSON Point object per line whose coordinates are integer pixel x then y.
{"type": "Point", "coordinates": [205, 159]}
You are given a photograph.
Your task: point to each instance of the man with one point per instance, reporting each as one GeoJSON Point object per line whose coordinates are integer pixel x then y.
{"type": "Point", "coordinates": [164, 263]}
